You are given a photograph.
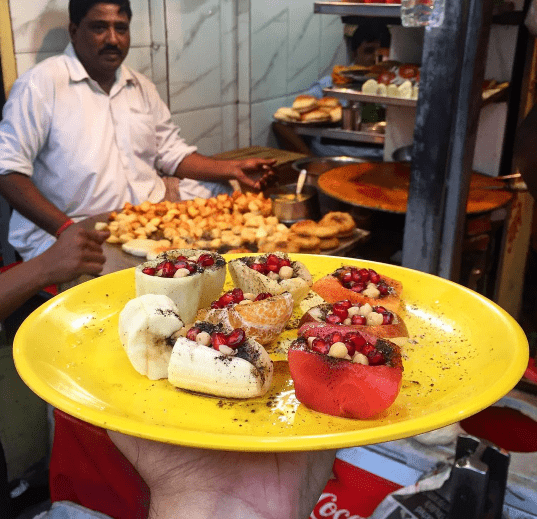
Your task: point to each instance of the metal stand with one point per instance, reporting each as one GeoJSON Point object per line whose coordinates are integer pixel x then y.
{"type": "Point", "coordinates": [444, 138]}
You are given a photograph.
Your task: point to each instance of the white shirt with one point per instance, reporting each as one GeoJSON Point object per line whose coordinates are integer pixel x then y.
{"type": "Point", "coordinates": [87, 152]}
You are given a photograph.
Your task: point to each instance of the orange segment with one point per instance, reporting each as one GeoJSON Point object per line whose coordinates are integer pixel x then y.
{"type": "Point", "coordinates": [264, 320]}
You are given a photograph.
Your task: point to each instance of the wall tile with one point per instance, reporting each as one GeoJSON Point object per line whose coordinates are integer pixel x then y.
{"type": "Point", "coordinates": [269, 46]}
{"type": "Point", "coordinates": [332, 47]}
{"type": "Point", "coordinates": [139, 58]}
{"type": "Point", "coordinates": [244, 136]}
{"type": "Point", "coordinates": [261, 121]}
{"type": "Point", "coordinates": [159, 55]}
{"type": "Point", "coordinates": [202, 128]}
{"type": "Point", "coordinates": [304, 46]}
{"type": "Point", "coordinates": [229, 52]}
{"type": "Point", "coordinates": [230, 130]}
{"type": "Point", "coordinates": [243, 51]}
{"type": "Point", "coordinates": [41, 25]}
{"type": "Point", "coordinates": [194, 53]}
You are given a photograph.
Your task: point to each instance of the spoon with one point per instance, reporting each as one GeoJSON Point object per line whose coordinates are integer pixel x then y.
{"type": "Point", "coordinates": [300, 182]}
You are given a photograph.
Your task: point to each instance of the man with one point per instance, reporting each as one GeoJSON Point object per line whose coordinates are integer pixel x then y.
{"type": "Point", "coordinates": [82, 134]}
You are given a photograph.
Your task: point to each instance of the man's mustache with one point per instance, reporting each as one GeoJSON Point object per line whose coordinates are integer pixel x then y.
{"type": "Point", "coordinates": [109, 48]}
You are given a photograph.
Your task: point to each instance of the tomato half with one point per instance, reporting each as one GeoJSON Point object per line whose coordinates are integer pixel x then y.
{"type": "Point", "coordinates": [339, 387]}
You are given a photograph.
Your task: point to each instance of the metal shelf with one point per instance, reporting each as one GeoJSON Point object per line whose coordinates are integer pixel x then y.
{"type": "Point", "coordinates": [339, 133]}
{"type": "Point", "coordinates": [358, 9]}
{"type": "Point", "coordinates": [354, 95]}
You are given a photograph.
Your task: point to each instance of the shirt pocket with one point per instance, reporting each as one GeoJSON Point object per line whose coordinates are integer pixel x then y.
{"type": "Point", "coordinates": [143, 137]}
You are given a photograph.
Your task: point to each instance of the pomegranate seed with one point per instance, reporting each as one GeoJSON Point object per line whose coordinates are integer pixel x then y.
{"type": "Point", "coordinates": [358, 320]}
{"type": "Point", "coordinates": [285, 262]}
{"type": "Point", "coordinates": [368, 349]}
{"type": "Point", "coordinates": [259, 267]}
{"type": "Point", "coordinates": [235, 338]}
{"type": "Point", "coordinates": [193, 333]}
{"type": "Point", "coordinates": [273, 267]}
{"type": "Point", "coordinates": [333, 319]}
{"type": "Point", "coordinates": [336, 337]}
{"type": "Point", "coordinates": [320, 346]}
{"type": "Point", "coordinates": [387, 318]}
{"type": "Point", "coordinates": [215, 305]}
{"type": "Point", "coordinates": [206, 260]}
{"type": "Point", "coordinates": [237, 294]}
{"type": "Point", "coordinates": [180, 264]}
{"type": "Point", "coordinates": [168, 269]}
{"type": "Point", "coordinates": [181, 258]}
{"type": "Point", "coordinates": [374, 276]}
{"type": "Point", "coordinates": [217, 339]}
{"type": "Point", "coordinates": [380, 310]}
{"type": "Point", "coordinates": [262, 295]}
{"type": "Point", "coordinates": [272, 259]}
{"type": "Point", "coordinates": [365, 274]}
{"type": "Point", "coordinates": [356, 276]}
{"type": "Point", "coordinates": [358, 341]}
{"type": "Point", "coordinates": [226, 299]}
{"type": "Point", "coordinates": [150, 271]}
{"type": "Point", "coordinates": [376, 358]}
{"type": "Point", "coordinates": [350, 347]}
{"type": "Point", "coordinates": [346, 277]}
{"type": "Point", "coordinates": [383, 289]}
{"type": "Point", "coordinates": [358, 287]}
{"type": "Point", "coordinates": [341, 312]}
{"type": "Point", "coordinates": [346, 304]}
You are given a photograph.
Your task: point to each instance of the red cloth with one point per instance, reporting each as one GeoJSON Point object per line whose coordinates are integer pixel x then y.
{"type": "Point", "coordinates": [87, 468]}
{"type": "Point", "coordinates": [353, 492]}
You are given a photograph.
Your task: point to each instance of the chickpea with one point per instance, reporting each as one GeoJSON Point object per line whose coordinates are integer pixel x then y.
{"type": "Point", "coordinates": [203, 338]}
{"type": "Point", "coordinates": [338, 350]}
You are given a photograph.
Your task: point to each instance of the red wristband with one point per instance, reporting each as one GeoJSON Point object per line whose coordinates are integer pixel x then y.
{"type": "Point", "coordinates": [64, 226]}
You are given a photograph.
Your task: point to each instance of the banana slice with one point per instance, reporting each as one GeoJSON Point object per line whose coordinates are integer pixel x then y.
{"type": "Point", "coordinates": [200, 368]}
{"type": "Point", "coordinates": [146, 325]}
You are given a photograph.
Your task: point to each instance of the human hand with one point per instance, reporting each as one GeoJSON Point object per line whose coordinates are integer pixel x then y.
{"type": "Point", "coordinates": [204, 483]}
{"type": "Point", "coordinates": [77, 251]}
{"type": "Point", "coordinates": [255, 173]}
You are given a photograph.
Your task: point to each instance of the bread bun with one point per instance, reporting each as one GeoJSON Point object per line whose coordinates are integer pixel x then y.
{"type": "Point", "coordinates": [304, 103]}
{"type": "Point", "coordinates": [328, 102]}
{"type": "Point", "coordinates": [336, 114]}
{"type": "Point", "coordinates": [287, 114]}
{"type": "Point", "coordinates": [315, 116]}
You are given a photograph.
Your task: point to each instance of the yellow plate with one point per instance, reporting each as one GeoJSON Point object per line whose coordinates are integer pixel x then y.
{"type": "Point", "coordinates": [464, 354]}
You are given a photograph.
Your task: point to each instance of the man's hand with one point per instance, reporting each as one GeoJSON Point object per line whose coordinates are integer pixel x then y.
{"type": "Point", "coordinates": [199, 483]}
{"type": "Point", "coordinates": [78, 251]}
{"type": "Point", "coordinates": [254, 173]}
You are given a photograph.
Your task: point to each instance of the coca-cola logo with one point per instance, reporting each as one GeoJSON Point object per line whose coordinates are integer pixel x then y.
{"type": "Point", "coordinates": [327, 507]}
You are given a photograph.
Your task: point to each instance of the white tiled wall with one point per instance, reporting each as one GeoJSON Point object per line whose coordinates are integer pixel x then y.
{"type": "Point", "coordinates": [223, 66]}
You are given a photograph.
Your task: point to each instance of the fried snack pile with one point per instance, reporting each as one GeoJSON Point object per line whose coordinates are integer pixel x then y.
{"type": "Point", "coordinates": [242, 222]}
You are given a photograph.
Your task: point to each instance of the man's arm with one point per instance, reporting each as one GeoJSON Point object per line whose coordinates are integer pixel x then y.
{"type": "Point", "coordinates": [524, 153]}
{"type": "Point", "coordinates": [254, 173]}
{"type": "Point", "coordinates": [22, 195]}
{"type": "Point", "coordinates": [76, 252]}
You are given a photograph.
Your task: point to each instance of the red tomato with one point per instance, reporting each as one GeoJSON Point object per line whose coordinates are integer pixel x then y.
{"type": "Point", "coordinates": [408, 71]}
{"type": "Point", "coordinates": [386, 78]}
{"type": "Point", "coordinates": [339, 387]}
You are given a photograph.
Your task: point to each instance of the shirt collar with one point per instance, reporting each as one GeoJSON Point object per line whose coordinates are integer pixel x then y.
{"type": "Point", "coordinates": [79, 73]}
